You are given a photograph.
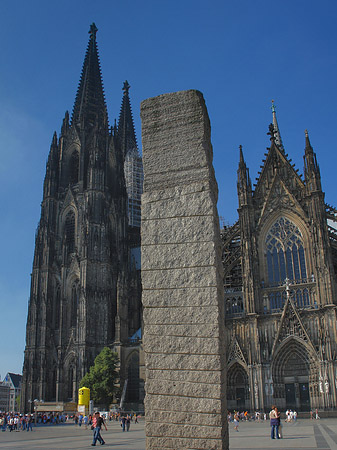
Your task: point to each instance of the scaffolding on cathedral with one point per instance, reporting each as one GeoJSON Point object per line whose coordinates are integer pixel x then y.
{"type": "Point", "coordinates": [133, 172]}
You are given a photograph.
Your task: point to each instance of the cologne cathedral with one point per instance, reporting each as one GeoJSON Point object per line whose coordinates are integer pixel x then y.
{"type": "Point", "coordinates": [85, 285]}
{"type": "Point", "coordinates": [280, 264]}
{"type": "Point", "coordinates": [280, 267]}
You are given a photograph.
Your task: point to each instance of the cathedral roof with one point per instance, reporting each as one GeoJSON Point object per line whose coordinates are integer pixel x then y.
{"type": "Point", "coordinates": [126, 130]}
{"type": "Point", "coordinates": [90, 107]}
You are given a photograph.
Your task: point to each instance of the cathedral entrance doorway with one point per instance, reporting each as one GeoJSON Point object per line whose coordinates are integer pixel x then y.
{"type": "Point", "coordinates": [297, 396]}
{"type": "Point", "coordinates": [237, 388]}
{"type": "Point", "coordinates": [291, 374]}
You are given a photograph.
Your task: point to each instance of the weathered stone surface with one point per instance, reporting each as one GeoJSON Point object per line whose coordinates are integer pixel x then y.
{"type": "Point", "coordinates": [196, 330]}
{"type": "Point", "coordinates": [173, 256]}
{"type": "Point", "coordinates": [182, 204]}
{"type": "Point", "coordinates": [181, 417]}
{"type": "Point", "coordinates": [195, 389]}
{"type": "Point", "coordinates": [202, 376]}
{"type": "Point", "coordinates": [201, 361]}
{"type": "Point", "coordinates": [177, 126]}
{"type": "Point", "coordinates": [181, 345]}
{"type": "Point", "coordinates": [183, 430]}
{"type": "Point", "coordinates": [182, 278]}
{"type": "Point", "coordinates": [196, 296]}
{"type": "Point", "coordinates": [183, 404]}
{"type": "Point", "coordinates": [179, 315]}
{"type": "Point", "coordinates": [158, 231]}
{"type": "Point", "coordinates": [168, 443]}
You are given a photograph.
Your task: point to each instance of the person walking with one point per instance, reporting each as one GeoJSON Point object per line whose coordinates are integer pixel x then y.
{"type": "Point", "coordinates": [236, 421]}
{"type": "Point", "coordinates": [280, 431]}
{"type": "Point", "coordinates": [128, 422]}
{"type": "Point", "coordinates": [98, 421]}
{"type": "Point", "coordinates": [123, 422]}
{"type": "Point", "coordinates": [29, 423]}
{"type": "Point", "coordinates": [274, 417]}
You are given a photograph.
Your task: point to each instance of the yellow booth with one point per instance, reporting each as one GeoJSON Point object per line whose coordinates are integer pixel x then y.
{"type": "Point", "coordinates": [83, 400]}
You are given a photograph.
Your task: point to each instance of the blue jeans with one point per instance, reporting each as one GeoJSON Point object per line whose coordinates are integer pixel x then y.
{"type": "Point", "coordinates": [274, 430]}
{"type": "Point", "coordinates": [97, 436]}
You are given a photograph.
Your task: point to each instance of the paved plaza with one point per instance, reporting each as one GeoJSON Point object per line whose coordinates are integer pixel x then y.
{"type": "Point", "coordinates": [304, 435]}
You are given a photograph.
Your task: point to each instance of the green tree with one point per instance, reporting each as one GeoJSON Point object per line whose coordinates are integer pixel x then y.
{"type": "Point", "coordinates": [102, 377]}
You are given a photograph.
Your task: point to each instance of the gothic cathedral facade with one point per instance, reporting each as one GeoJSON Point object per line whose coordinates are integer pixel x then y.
{"type": "Point", "coordinates": [280, 262]}
{"type": "Point", "coordinates": [280, 266]}
{"type": "Point", "coordinates": [85, 285]}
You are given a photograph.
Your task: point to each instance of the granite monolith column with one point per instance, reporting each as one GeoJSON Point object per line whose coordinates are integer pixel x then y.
{"type": "Point", "coordinates": [183, 301]}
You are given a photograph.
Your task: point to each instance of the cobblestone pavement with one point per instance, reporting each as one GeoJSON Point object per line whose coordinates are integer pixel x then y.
{"type": "Point", "coordinates": [303, 435]}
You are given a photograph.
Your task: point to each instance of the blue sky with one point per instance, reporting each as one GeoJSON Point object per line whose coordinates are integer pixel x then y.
{"type": "Point", "coordinates": [239, 54]}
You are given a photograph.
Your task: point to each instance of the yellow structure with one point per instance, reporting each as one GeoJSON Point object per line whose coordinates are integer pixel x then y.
{"type": "Point", "coordinates": [83, 399]}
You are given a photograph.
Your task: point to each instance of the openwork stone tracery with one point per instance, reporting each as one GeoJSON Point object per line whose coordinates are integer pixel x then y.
{"type": "Point", "coordinates": [280, 289]}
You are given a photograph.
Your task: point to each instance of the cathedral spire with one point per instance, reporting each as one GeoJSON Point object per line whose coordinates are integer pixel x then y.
{"type": "Point", "coordinates": [244, 183]}
{"type": "Point", "coordinates": [278, 140]}
{"type": "Point", "coordinates": [90, 108]}
{"type": "Point", "coordinates": [126, 130]}
{"type": "Point", "coordinates": [307, 142]}
{"type": "Point", "coordinates": [311, 168]}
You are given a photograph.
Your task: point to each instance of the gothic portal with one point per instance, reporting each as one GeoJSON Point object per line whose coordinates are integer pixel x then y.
{"type": "Point", "coordinates": [280, 262]}
{"type": "Point", "coordinates": [85, 287]}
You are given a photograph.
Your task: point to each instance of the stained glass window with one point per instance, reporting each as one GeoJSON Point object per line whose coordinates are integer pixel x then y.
{"type": "Point", "coordinates": [285, 252]}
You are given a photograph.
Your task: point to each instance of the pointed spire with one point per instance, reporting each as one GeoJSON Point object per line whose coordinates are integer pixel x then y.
{"type": "Point", "coordinates": [54, 141]}
{"type": "Point", "coordinates": [307, 141]}
{"type": "Point", "coordinates": [90, 108]}
{"type": "Point", "coordinates": [278, 140]}
{"type": "Point", "coordinates": [65, 124]}
{"type": "Point", "coordinates": [311, 169]}
{"type": "Point", "coordinates": [50, 180]}
{"type": "Point", "coordinates": [126, 130]}
{"type": "Point", "coordinates": [244, 184]}
{"type": "Point", "coordinates": [242, 161]}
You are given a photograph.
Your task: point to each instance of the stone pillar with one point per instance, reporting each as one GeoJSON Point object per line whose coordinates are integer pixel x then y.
{"type": "Point", "coordinates": [182, 278]}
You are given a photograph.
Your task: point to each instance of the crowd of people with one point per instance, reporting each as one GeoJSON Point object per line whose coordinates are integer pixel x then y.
{"type": "Point", "coordinates": [24, 422]}
{"type": "Point", "coordinates": [274, 416]}
{"type": "Point", "coordinates": [16, 422]}
{"type": "Point", "coordinates": [258, 416]}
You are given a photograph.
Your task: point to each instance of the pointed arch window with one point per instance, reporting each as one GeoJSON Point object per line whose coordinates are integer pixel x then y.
{"type": "Point", "coordinates": [57, 308]}
{"type": "Point", "coordinates": [74, 304]}
{"type": "Point", "coordinates": [69, 230]}
{"type": "Point", "coordinates": [70, 383]}
{"type": "Point", "coordinates": [285, 252]}
{"type": "Point", "coordinates": [74, 167]}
